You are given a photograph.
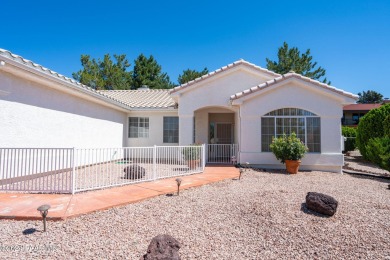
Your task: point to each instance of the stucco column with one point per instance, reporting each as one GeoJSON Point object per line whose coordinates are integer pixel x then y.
{"type": "Point", "coordinates": [186, 129]}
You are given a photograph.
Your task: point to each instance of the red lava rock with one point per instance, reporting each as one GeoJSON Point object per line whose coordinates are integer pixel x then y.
{"type": "Point", "coordinates": [162, 247]}
{"type": "Point", "coordinates": [321, 203]}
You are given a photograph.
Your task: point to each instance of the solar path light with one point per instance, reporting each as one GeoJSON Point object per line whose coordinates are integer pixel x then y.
{"type": "Point", "coordinates": [178, 181]}
{"type": "Point", "coordinates": [233, 159]}
{"type": "Point", "coordinates": [44, 209]}
{"type": "Point", "coordinates": [244, 168]}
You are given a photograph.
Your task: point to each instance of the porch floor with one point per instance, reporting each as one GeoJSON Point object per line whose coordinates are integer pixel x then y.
{"type": "Point", "coordinates": [22, 206]}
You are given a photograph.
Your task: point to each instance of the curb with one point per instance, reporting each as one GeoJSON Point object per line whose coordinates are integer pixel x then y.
{"type": "Point", "coordinates": [366, 174]}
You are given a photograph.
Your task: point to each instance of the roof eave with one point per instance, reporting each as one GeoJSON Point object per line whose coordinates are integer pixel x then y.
{"type": "Point", "coordinates": [11, 65]}
{"type": "Point", "coordinates": [235, 64]}
{"type": "Point", "coordinates": [246, 94]}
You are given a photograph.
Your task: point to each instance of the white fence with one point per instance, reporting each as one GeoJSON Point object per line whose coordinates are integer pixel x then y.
{"type": "Point", "coordinates": [36, 170]}
{"type": "Point", "coordinates": [221, 153]}
{"type": "Point", "coordinates": [69, 170]}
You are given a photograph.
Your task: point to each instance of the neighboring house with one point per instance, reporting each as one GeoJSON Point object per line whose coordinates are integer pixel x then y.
{"type": "Point", "coordinates": [352, 113]}
{"type": "Point", "coordinates": [239, 104]}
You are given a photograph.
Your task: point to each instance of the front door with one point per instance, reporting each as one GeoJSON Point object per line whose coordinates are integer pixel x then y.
{"type": "Point", "coordinates": [224, 133]}
{"type": "Point", "coordinates": [220, 147]}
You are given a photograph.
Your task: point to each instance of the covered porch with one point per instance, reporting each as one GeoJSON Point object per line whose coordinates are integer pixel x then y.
{"type": "Point", "coordinates": [217, 127]}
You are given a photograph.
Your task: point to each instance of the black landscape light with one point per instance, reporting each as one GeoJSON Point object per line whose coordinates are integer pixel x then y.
{"type": "Point", "coordinates": [178, 181]}
{"type": "Point", "coordinates": [44, 209]}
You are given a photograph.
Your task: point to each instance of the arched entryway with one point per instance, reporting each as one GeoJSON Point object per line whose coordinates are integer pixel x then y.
{"type": "Point", "coordinates": [218, 128]}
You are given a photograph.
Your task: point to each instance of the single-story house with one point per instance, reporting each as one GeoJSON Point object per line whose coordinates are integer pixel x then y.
{"type": "Point", "coordinates": [353, 112]}
{"type": "Point", "coordinates": [240, 104]}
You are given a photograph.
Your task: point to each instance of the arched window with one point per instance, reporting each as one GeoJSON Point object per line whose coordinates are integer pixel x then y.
{"type": "Point", "coordinates": [305, 124]}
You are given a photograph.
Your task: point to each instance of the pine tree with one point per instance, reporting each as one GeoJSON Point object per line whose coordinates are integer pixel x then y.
{"type": "Point", "coordinates": [104, 74]}
{"type": "Point", "coordinates": [148, 72]}
{"type": "Point", "coordinates": [189, 75]}
{"type": "Point", "coordinates": [370, 97]}
{"type": "Point", "coordinates": [293, 60]}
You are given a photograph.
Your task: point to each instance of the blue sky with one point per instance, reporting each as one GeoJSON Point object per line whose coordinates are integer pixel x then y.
{"type": "Point", "coordinates": [350, 39]}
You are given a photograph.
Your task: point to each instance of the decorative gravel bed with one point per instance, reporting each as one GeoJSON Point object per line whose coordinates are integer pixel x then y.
{"type": "Point", "coordinates": [354, 161]}
{"type": "Point", "coordinates": [259, 217]}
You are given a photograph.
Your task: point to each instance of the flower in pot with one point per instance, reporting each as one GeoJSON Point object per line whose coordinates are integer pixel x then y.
{"type": "Point", "coordinates": [191, 154]}
{"type": "Point", "coordinates": [289, 150]}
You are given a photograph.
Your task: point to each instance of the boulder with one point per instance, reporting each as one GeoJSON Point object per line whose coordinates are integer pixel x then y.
{"type": "Point", "coordinates": [134, 172]}
{"type": "Point", "coordinates": [321, 203]}
{"type": "Point", "coordinates": [162, 247]}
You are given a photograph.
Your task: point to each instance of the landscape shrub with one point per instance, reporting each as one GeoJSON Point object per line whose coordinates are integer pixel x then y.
{"type": "Point", "coordinates": [350, 143]}
{"type": "Point", "coordinates": [378, 151]}
{"type": "Point", "coordinates": [288, 148]}
{"type": "Point", "coordinates": [373, 136]}
{"type": "Point", "coordinates": [386, 126]}
{"type": "Point", "coordinates": [372, 125]}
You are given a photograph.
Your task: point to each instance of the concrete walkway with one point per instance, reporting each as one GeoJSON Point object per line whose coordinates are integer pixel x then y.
{"type": "Point", "coordinates": [21, 206]}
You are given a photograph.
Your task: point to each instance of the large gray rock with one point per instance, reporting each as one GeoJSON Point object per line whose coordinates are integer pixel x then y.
{"type": "Point", "coordinates": [321, 203]}
{"type": "Point", "coordinates": [134, 172]}
{"type": "Point", "coordinates": [163, 247]}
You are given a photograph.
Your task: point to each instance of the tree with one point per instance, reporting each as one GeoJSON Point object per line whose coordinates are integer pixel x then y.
{"type": "Point", "coordinates": [293, 60]}
{"type": "Point", "coordinates": [104, 74]}
{"type": "Point", "coordinates": [148, 72]}
{"type": "Point", "coordinates": [189, 75]}
{"type": "Point", "coordinates": [370, 97]}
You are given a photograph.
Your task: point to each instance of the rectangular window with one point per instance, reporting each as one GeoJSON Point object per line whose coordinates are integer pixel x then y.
{"type": "Point", "coordinates": [171, 129]}
{"type": "Point", "coordinates": [355, 118]}
{"type": "Point", "coordinates": [138, 127]}
{"type": "Point", "coordinates": [313, 134]}
{"type": "Point", "coordinates": [267, 132]}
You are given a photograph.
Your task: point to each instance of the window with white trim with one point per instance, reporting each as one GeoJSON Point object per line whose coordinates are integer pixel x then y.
{"type": "Point", "coordinates": [171, 129]}
{"type": "Point", "coordinates": [138, 127]}
{"type": "Point", "coordinates": [306, 125]}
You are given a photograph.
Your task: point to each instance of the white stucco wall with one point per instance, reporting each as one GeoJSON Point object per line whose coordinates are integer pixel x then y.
{"type": "Point", "coordinates": [35, 115]}
{"type": "Point", "coordinates": [214, 92]}
{"type": "Point", "coordinates": [296, 95]}
{"type": "Point", "coordinates": [156, 124]}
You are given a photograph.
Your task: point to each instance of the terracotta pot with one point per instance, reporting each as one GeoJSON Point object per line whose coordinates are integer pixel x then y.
{"type": "Point", "coordinates": [193, 164]}
{"type": "Point", "coordinates": [292, 166]}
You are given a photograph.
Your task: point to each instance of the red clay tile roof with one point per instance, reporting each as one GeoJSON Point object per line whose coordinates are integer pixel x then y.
{"type": "Point", "coordinates": [359, 107]}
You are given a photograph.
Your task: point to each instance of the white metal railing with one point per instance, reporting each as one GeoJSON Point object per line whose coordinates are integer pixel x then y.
{"type": "Point", "coordinates": [36, 169]}
{"type": "Point", "coordinates": [70, 170]}
{"type": "Point", "coordinates": [221, 153]}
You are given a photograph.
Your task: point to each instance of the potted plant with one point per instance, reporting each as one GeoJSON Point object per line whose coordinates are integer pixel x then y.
{"type": "Point", "coordinates": [191, 154]}
{"type": "Point", "coordinates": [289, 150]}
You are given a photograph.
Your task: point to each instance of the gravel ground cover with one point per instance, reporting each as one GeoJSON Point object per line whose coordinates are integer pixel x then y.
{"type": "Point", "coordinates": [354, 161]}
{"type": "Point", "coordinates": [262, 216]}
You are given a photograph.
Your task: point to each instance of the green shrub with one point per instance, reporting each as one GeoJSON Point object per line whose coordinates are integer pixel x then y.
{"type": "Point", "coordinates": [288, 148]}
{"type": "Point", "coordinates": [386, 126]}
{"type": "Point", "coordinates": [372, 125]}
{"type": "Point", "coordinates": [378, 151]}
{"type": "Point", "coordinates": [350, 143]}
